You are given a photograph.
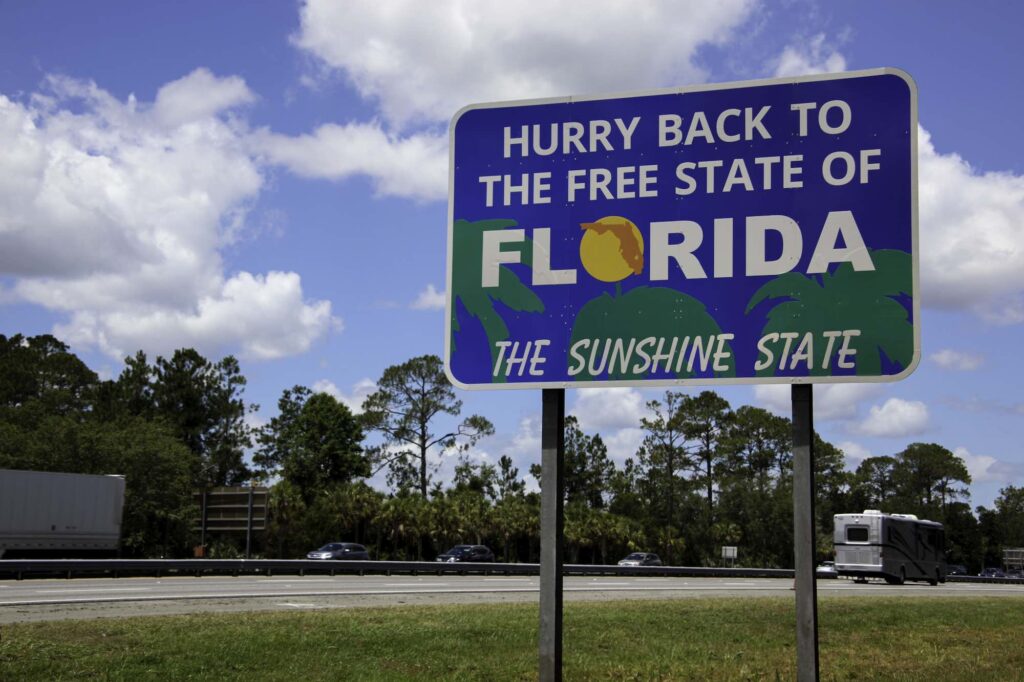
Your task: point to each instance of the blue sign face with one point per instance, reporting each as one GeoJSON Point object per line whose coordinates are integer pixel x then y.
{"type": "Point", "coordinates": [756, 232]}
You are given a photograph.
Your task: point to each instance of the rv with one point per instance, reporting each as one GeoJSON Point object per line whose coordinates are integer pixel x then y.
{"type": "Point", "coordinates": [896, 547]}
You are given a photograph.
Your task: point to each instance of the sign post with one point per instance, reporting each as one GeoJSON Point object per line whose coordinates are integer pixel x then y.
{"type": "Point", "coordinates": [552, 521]}
{"type": "Point", "coordinates": [742, 233]}
{"type": "Point", "coordinates": [806, 587]}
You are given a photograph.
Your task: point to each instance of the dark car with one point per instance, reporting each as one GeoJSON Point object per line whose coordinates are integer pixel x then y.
{"type": "Point", "coordinates": [956, 569]}
{"type": "Point", "coordinates": [348, 551]}
{"type": "Point", "coordinates": [992, 573]}
{"type": "Point", "coordinates": [474, 553]}
{"type": "Point", "coordinates": [641, 559]}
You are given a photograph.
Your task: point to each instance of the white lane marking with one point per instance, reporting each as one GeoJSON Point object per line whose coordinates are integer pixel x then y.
{"type": "Point", "coordinates": [509, 580]}
{"type": "Point", "coordinates": [737, 584]}
{"type": "Point", "coordinates": [81, 590]}
{"type": "Point", "coordinates": [415, 584]}
{"type": "Point", "coordinates": [609, 584]}
{"type": "Point", "coordinates": [299, 606]}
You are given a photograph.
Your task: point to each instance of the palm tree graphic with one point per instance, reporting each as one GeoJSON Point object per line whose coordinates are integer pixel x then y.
{"type": "Point", "coordinates": [467, 245]}
{"type": "Point", "coordinates": [867, 301]}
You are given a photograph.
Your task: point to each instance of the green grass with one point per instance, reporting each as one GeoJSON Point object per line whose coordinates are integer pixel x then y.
{"type": "Point", "coordinates": [694, 639]}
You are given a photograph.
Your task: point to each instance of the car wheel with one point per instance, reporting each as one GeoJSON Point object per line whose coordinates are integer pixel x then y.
{"type": "Point", "coordinates": [934, 581]}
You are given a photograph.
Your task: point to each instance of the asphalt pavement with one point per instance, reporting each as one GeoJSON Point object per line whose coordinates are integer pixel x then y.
{"type": "Point", "coordinates": [35, 600]}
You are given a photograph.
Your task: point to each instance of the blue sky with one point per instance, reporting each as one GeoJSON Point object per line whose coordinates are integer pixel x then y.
{"type": "Point", "coordinates": [270, 180]}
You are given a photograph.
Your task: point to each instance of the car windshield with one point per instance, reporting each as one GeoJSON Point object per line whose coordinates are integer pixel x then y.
{"type": "Point", "coordinates": [636, 556]}
{"type": "Point", "coordinates": [330, 548]}
{"type": "Point", "coordinates": [460, 550]}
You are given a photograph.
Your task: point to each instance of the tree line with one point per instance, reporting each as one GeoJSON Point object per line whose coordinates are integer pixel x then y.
{"type": "Point", "coordinates": [706, 475]}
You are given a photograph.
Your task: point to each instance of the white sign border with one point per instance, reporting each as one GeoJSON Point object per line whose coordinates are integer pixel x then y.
{"type": "Point", "coordinates": [699, 381]}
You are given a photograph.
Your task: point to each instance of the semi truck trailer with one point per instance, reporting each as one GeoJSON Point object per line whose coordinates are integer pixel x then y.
{"type": "Point", "coordinates": [59, 515]}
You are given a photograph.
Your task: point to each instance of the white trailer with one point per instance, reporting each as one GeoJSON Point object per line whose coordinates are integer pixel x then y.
{"type": "Point", "coordinates": [52, 514]}
{"type": "Point", "coordinates": [896, 547]}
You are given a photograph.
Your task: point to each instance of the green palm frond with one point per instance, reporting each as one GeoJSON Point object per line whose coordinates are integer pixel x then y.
{"type": "Point", "coordinates": [479, 302]}
{"type": "Point", "coordinates": [845, 300]}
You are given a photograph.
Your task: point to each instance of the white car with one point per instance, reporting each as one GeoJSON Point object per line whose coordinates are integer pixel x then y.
{"type": "Point", "coordinates": [827, 569]}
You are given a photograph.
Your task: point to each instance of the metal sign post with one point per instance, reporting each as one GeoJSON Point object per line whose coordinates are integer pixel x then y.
{"type": "Point", "coordinates": [552, 523]}
{"type": "Point", "coordinates": [803, 534]}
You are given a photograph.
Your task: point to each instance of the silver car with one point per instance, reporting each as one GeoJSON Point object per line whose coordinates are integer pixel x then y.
{"type": "Point", "coordinates": [348, 551]}
{"type": "Point", "coordinates": [641, 559]}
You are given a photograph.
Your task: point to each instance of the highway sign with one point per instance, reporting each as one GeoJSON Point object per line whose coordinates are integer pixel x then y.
{"type": "Point", "coordinates": [755, 232]}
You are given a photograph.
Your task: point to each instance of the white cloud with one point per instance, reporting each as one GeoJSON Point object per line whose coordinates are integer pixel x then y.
{"type": "Point", "coordinates": [972, 236]}
{"type": "Point", "coordinates": [353, 400]}
{"type": "Point", "coordinates": [987, 469]}
{"type": "Point", "coordinates": [895, 418]}
{"type": "Point", "coordinates": [429, 299]}
{"type": "Point", "coordinates": [525, 444]}
{"type": "Point", "coordinates": [264, 316]}
{"type": "Point", "coordinates": [599, 409]}
{"type": "Point", "coordinates": [199, 96]}
{"type": "Point", "coordinates": [415, 166]}
{"type": "Point", "coordinates": [624, 443]}
{"type": "Point", "coordinates": [115, 213]}
{"type": "Point", "coordinates": [814, 56]}
{"type": "Point", "coordinates": [855, 452]}
{"type": "Point", "coordinates": [831, 401]}
{"type": "Point", "coordinates": [957, 360]}
{"type": "Point", "coordinates": [423, 61]}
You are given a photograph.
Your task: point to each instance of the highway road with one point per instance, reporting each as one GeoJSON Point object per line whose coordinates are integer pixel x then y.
{"type": "Point", "coordinates": [34, 600]}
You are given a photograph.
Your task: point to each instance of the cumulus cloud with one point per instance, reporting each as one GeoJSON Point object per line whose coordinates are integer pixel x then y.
{"type": "Point", "coordinates": [264, 316]}
{"type": "Point", "coordinates": [525, 445]}
{"type": "Point", "coordinates": [972, 236]}
{"type": "Point", "coordinates": [354, 399]}
{"type": "Point", "coordinates": [199, 96]}
{"type": "Point", "coordinates": [957, 360]}
{"type": "Point", "coordinates": [421, 62]}
{"type": "Point", "coordinates": [624, 443]}
{"type": "Point", "coordinates": [807, 58]}
{"type": "Point", "coordinates": [600, 409]}
{"type": "Point", "coordinates": [831, 401]}
{"type": "Point", "coordinates": [414, 166]}
{"type": "Point", "coordinates": [115, 213]}
{"type": "Point", "coordinates": [987, 469]}
{"type": "Point", "coordinates": [429, 299]}
{"type": "Point", "coordinates": [855, 453]}
{"type": "Point", "coordinates": [895, 418]}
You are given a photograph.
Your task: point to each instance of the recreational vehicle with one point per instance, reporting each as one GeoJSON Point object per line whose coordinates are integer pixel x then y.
{"type": "Point", "coordinates": [896, 547]}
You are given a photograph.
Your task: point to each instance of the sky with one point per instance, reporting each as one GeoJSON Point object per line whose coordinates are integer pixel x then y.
{"type": "Point", "coordinates": [270, 180]}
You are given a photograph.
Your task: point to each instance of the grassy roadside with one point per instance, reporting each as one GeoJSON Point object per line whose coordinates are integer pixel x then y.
{"type": "Point", "coordinates": [698, 639]}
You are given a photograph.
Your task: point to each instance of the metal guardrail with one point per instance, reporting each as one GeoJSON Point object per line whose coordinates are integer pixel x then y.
{"type": "Point", "coordinates": [18, 569]}
{"type": "Point", "coordinates": [71, 568]}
